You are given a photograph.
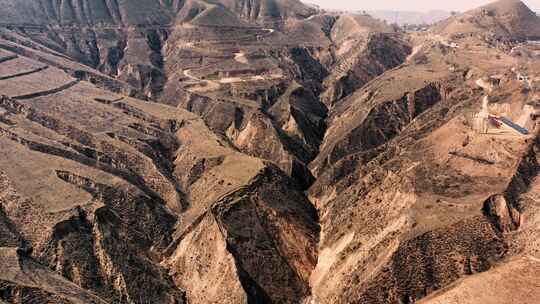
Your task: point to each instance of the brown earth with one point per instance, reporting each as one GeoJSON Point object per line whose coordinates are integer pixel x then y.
{"type": "Point", "coordinates": [265, 152]}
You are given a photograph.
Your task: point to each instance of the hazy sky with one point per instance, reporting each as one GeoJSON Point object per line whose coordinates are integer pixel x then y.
{"type": "Point", "coordinates": [409, 5]}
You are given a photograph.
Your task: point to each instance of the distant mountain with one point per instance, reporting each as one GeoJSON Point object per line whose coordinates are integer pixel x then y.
{"type": "Point", "coordinates": [410, 17]}
{"type": "Point", "coordinates": [145, 12]}
{"type": "Point", "coordinates": [88, 12]}
{"type": "Point", "coordinates": [510, 19]}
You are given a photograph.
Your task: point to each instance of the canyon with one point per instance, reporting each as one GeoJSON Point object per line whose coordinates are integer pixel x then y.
{"type": "Point", "coordinates": [250, 151]}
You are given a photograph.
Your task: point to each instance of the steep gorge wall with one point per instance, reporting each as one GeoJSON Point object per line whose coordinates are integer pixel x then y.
{"type": "Point", "coordinates": [384, 121]}
{"type": "Point", "coordinates": [367, 60]}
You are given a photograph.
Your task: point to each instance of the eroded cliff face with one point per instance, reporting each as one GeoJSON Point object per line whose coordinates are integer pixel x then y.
{"type": "Point", "coordinates": [24, 280]}
{"type": "Point", "coordinates": [367, 59]}
{"type": "Point", "coordinates": [105, 255]}
{"type": "Point", "coordinates": [279, 157]}
{"type": "Point", "coordinates": [86, 12]}
{"type": "Point", "coordinates": [377, 123]}
{"type": "Point", "coordinates": [453, 214]}
{"type": "Point", "coordinates": [389, 230]}
{"type": "Point", "coordinates": [263, 237]}
{"type": "Point", "coordinates": [96, 249]}
{"type": "Point", "coordinates": [158, 61]}
{"type": "Point", "coordinates": [109, 244]}
{"type": "Point", "coordinates": [255, 217]}
{"type": "Point", "coordinates": [515, 278]}
{"type": "Point", "coordinates": [514, 215]}
{"type": "Point", "coordinates": [134, 179]}
{"type": "Point", "coordinates": [132, 55]}
{"type": "Point", "coordinates": [420, 188]}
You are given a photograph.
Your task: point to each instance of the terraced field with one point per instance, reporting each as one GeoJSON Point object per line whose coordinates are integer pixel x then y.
{"type": "Point", "coordinates": [256, 151]}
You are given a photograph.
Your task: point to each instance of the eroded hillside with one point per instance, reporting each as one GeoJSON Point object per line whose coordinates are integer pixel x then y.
{"type": "Point", "coordinates": [266, 152]}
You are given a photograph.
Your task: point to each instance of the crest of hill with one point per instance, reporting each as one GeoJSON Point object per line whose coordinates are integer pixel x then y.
{"type": "Point", "coordinates": [148, 12]}
{"type": "Point", "coordinates": [313, 30]}
{"type": "Point", "coordinates": [204, 13]}
{"type": "Point", "coordinates": [510, 19]}
{"type": "Point", "coordinates": [269, 10]}
{"type": "Point", "coordinates": [410, 17]}
{"type": "Point", "coordinates": [355, 25]}
{"type": "Point", "coordinates": [239, 13]}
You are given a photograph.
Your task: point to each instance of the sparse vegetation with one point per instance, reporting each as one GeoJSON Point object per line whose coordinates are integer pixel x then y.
{"type": "Point", "coordinates": [268, 152]}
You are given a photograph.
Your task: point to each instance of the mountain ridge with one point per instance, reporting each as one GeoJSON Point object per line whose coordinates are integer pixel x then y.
{"type": "Point", "coordinates": [265, 151]}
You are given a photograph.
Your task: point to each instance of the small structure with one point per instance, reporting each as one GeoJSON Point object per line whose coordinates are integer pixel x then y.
{"type": "Point", "coordinates": [513, 127]}
{"type": "Point", "coordinates": [522, 77]}
{"type": "Point", "coordinates": [481, 119]}
{"type": "Point", "coordinates": [449, 44]}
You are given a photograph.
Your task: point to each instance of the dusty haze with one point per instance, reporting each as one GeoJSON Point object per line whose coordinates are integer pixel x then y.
{"type": "Point", "coordinates": [265, 151]}
{"type": "Point", "coordinates": [417, 5]}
